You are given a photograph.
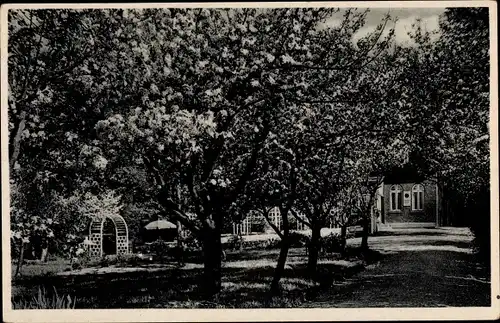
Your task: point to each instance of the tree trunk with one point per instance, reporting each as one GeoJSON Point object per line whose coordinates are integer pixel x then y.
{"type": "Point", "coordinates": [280, 267]}
{"type": "Point", "coordinates": [240, 239]}
{"type": "Point", "coordinates": [442, 211]}
{"type": "Point", "coordinates": [285, 246]}
{"type": "Point", "coordinates": [180, 244]}
{"type": "Point", "coordinates": [16, 142]}
{"type": "Point", "coordinates": [45, 252]}
{"type": "Point", "coordinates": [314, 246]}
{"type": "Point", "coordinates": [20, 259]}
{"type": "Point", "coordinates": [212, 252]}
{"type": "Point", "coordinates": [343, 240]}
{"type": "Point", "coordinates": [366, 231]}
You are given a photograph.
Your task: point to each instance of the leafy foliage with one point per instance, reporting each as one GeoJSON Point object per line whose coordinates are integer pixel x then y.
{"type": "Point", "coordinates": [219, 112]}
{"type": "Point", "coordinates": [331, 243]}
{"type": "Point", "coordinates": [43, 300]}
{"type": "Point", "coordinates": [456, 67]}
{"type": "Point", "coordinates": [450, 81]}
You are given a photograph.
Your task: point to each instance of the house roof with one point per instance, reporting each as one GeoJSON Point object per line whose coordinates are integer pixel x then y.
{"type": "Point", "coordinates": [405, 174]}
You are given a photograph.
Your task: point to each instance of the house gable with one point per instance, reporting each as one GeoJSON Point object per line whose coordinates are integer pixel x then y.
{"type": "Point", "coordinates": [408, 197]}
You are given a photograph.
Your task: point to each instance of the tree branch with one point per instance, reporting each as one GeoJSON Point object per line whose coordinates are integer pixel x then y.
{"type": "Point", "coordinates": [16, 143]}
{"type": "Point", "coordinates": [275, 228]}
{"type": "Point", "coordinates": [299, 218]}
{"type": "Point", "coordinates": [156, 173]}
{"type": "Point", "coordinates": [173, 209]}
{"type": "Point", "coordinates": [192, 190]}
{"type": "Point", "coordinates": [250, 166]}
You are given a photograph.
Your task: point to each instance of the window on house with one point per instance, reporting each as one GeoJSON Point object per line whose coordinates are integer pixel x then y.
{"type": "Point", "coordinates": [396, 197]}
{"type": "Point", "coordinates": [417, 202]}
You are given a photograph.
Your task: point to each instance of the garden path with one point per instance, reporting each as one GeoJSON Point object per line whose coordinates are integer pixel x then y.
{"type": "Point", "coordinates": [422, 267]}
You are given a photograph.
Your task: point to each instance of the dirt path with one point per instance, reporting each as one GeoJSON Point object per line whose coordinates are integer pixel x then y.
{"type": "Point", "coordinates": [421, 268]}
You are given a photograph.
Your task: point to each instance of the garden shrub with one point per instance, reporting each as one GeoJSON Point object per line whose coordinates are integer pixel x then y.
{"type": "Point", "coordinates": [235, 242]}
{"type": "Point", "coordinates": [81, 260]}
{"type": "Point", "coordinates": [159, 249]}
{"type": "Point", "coordinates": [191, 247]}
{"type": "Point", "coordinates": [76, 266]}
{"type": "Point", "coordinates": [271, 243]}
{"type": "Point", "coordinates": [105, 261]}
{"type": "Point", "coordinates": [127, 260]}
{"type": "Point", "coordinates": [111, 260]}
{"type": "Point", "coordinates": [298, 239]}
{"type": "Point", "coordinates": [191, 244]}
{"type": "Point", "coordinates": [114, 260]}
{"type": "Point", "coordinates": [331, 243]}
{"type": "Point", "coordinates": [144, 249]}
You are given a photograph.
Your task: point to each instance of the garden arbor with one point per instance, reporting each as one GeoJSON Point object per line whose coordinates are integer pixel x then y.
{"type": "Point", "coordinates": [98, 230]}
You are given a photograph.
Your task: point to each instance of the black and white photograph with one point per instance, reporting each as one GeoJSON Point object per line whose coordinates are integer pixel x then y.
{"type": "Point", "coordinates": [264, 156]}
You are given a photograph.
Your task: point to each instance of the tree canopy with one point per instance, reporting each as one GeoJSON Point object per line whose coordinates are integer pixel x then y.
{"type": "Point", "coordinates": [219, 112]}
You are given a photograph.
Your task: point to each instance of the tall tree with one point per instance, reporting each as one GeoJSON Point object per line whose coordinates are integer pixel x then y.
{"type": "Point", "coordinates": [47, 127]}
{"type": "Point", "coordinates": [344, 127]}
{"type": "Point", "coordinates": [450, 81]}
{"type": "Point", "coordinates": [305, 143]}
{"type": "Point", "coordinates": [205, 113]}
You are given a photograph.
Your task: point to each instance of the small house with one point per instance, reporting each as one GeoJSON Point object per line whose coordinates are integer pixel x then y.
{"type": "Point", "coordinates": [407, 200]}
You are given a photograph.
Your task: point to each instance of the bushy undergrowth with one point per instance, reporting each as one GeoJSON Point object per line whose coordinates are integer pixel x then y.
{"type": "Point", "coordinates": [270, 243]}
{"type": "Point", "coordinates": [164, 251]}
{"type": "Point", "coordinates": [191, 245]}
{"type": "Point", "coordinates": [480, 227]}
{"type": "Point", "coordinates": [120, 260]}
{"type": "Point", "coordinates": [298, 239]}
{"type": "Point", "coordinates": [159, 249]}
{"type": "Point", "coordinates": [331, 243]}
{"type": "Point", "coordinates": [129, 260]}
{"type": "Point", "coordinates": [45, 300]}
{"type": "Point", "coordinates": [235, 242]}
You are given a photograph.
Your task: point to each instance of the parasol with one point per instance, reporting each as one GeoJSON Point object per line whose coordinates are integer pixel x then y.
{"type": "Point", "coordinates": [160, 225]}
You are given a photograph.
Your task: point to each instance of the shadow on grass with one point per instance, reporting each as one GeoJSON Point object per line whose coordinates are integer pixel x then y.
{"type": "Point", "coordinates": [270, 254]}
{"type": "Point", "coordinates": [465, 245]}
{"type": "Point", "coordinates": [178, 287]}
{"type": "Point", "coordinates": [458, 244]}
{"type": "Point", "coordinates": [403, 233]}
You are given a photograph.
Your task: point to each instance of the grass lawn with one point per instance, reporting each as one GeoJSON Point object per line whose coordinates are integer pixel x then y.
{"type": "Point", "coordinates": [247, 275]}
{"type": "Point", "coordinates": [406, 268]}
{"type": "Point", "coordinates": [37, 268]}
{"type": "Point", "coordinates": [246, 278]}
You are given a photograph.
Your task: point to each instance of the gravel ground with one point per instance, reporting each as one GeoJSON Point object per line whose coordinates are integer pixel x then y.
{"type": "Point", "coordinates": [422, 268]}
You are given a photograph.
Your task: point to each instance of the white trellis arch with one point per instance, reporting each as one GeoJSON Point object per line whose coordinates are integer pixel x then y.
{"type": "Point", "coordinates": [95, 235]}
{"type": "Point", "coordinates": [275, 216]}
